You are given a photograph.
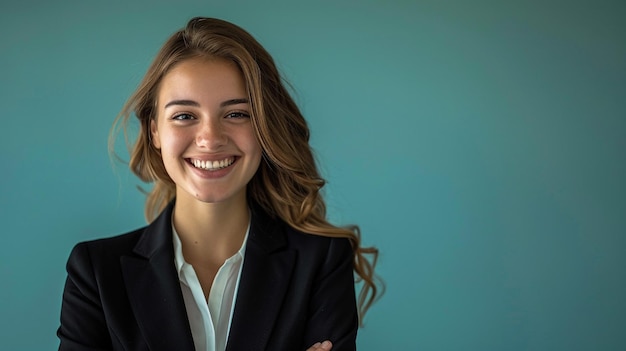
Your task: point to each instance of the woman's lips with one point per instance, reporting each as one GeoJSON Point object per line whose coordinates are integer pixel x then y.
{"type": "Point", "coordinates": [209, 165]}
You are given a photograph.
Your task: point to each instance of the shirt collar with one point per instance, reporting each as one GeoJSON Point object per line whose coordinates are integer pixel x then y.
{"type": "Point", "coordinates": [179, 259]}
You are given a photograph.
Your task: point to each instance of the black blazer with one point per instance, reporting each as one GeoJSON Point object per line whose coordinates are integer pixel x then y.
{"type": "Point", "coordinates": [123, 293]}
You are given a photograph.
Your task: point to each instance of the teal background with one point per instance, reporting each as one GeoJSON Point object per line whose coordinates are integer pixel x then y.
{"type": "Point", "coordinates": [479, 144]}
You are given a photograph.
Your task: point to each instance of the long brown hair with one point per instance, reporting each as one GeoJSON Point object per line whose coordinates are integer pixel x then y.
{"type": "Point", "coordinates": [287, 184]}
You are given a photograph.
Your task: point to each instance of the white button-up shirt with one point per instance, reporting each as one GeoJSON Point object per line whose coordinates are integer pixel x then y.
{"type": "Point", "coordinates": [209, 321]}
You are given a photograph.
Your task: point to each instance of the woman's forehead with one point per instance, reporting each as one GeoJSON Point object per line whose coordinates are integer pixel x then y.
{"type": "Point", "coordinates": [202, 80]}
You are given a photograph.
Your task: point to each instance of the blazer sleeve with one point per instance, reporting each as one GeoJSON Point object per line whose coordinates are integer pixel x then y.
{"type": "Point", "coordinates": [332, 311]}
{"type": "Point", "coordinates": [83, 326]}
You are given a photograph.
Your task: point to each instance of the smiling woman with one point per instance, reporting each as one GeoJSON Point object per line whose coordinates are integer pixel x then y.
{"type": "Point", "coordinates": [204, 133]}
{"type": "Point", "coordinates": [238, 254]}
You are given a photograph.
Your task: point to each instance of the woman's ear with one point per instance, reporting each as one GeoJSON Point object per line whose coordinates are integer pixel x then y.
{"type": "Point", "coordinates": [154, 134]}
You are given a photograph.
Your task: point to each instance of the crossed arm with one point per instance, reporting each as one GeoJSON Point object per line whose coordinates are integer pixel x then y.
{"type": "Point", "coordinates": [321, 346]}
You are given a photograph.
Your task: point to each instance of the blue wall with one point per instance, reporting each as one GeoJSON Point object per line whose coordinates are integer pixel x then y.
{"type": "Point", "coordinates": [481, 147]}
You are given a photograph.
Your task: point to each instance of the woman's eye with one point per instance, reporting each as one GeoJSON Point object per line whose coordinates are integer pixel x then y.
{"type": "Point", "coordinates": [182, 116]}
{"type": "Point", "coordinates": [237, 115]}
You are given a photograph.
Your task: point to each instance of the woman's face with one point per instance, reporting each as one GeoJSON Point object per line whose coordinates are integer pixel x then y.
{"type": "Point", "coordinates": [204, 132]}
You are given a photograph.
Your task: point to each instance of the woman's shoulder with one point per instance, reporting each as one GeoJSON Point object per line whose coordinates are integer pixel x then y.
{"type": "Point", "coordinates": [116, 245]}
{"type": "Point", "coordinates": [317, 243]}
{"type": "Point", "coordinates": [273, 232]}
{"type": "Point", "coordinates": [309, 238]}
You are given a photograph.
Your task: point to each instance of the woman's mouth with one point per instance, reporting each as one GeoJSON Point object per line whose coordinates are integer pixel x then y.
{"type": "Point", "coordinates": [208, 165]}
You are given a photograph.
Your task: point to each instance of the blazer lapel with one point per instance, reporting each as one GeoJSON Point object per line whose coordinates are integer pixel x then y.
{"type": "Point", "coordinates": [154, 289]}
{"type": "Point", "coordinates": [264, 280]}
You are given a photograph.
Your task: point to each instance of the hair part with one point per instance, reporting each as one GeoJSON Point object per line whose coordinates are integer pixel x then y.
{"type": "Point", "coordinates": [287, 184]}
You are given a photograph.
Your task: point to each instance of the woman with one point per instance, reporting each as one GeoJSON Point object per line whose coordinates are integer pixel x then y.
{"type": "Point", "coordinates": [238, 254]}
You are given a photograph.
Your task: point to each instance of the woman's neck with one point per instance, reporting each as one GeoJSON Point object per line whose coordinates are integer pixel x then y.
{"type": "Point", "coordinates": [210, 232]}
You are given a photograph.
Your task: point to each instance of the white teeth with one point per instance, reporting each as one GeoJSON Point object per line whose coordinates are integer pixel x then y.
{"type": "Point", "coordinates": [213, 165]}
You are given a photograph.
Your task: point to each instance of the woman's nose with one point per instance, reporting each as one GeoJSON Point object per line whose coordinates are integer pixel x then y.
{"type": "Point", "coordinates": [211, 135]}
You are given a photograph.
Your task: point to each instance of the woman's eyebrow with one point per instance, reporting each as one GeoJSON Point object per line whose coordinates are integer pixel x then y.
{"type": "Point", "coordinates": [196, 104]}
{"type": "Point", "coordinates": [234, 102]}
{"type": "Point", "coordinates": [182, 103]}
